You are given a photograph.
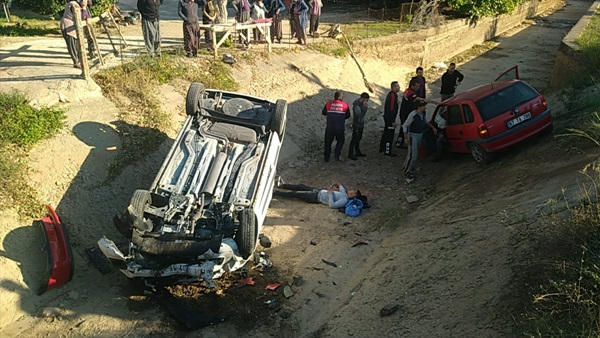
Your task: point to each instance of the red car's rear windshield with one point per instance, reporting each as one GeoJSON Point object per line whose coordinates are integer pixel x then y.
{"type": "Point", "coordinates": [507, 99]}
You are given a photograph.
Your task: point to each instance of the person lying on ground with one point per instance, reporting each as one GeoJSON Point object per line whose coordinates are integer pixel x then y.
{"type": "Point", "coordinates": [335, 196]}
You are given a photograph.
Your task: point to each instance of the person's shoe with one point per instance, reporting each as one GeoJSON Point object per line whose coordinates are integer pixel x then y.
{"type": "Point", "coordinates": [352, 157]}
{"type": "Point", "coordinates": [390, 154]}
{"type": "Point", "coordinates": [77, 65]}
{"type": "Point", "coordinates": [326, 159]}
{"type": "Point", "coordinates": [361, 155]}
{"type": "Point", "coordinates": [339, 159]}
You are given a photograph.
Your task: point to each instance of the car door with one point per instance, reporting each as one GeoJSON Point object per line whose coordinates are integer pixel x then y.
{"type": "Point", "coordinates": [510, 74]}
{"type": "Point", "coordinates": [455, 128]}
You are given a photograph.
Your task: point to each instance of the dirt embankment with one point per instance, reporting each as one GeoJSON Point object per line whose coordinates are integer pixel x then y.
{"type": "Point", "coordinates": [449, 261]}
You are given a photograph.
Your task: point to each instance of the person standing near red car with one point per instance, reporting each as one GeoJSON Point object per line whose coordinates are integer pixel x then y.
{"type": "Point", "coordinates": [337, 112]}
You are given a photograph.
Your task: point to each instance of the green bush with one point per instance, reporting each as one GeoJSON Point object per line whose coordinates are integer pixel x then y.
{"type": "Point", "coordinates": [51, 7]}
{"type": "Point", "coordinates": [45, 7]}
{"type": "Point", "coordinates": [23, 125]}
{"type": "Point", "coordinates": [480, 8]}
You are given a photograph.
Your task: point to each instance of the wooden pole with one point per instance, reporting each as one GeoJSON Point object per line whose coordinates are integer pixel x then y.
{"type": "Point", "coordinates": [118, 29]}
{"type": "Point", "coordinates": [95, 42]}
{"type": "Point", "coordinates": [6, 10]}
{"type": "Point", "coordinates": [80, 44]}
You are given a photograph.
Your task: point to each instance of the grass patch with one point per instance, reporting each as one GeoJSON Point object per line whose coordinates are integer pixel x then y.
{"type": "Point", "coordinates": [22, 127]}
{"type": "Point", "coordinates": [568, 304]}
{"type": "Point", "coordinates": [28, 27]}
{"type": "Point", "coordinates": [589, 41]}
{"type": "Point", "coordinates": [331, 48]}
{"type": "Point", "coordinates": [133, 87]}
{"type": "Point", "coordinates": [366, 30]}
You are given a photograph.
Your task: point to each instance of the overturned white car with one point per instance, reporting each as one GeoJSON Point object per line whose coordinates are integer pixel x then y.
{"type": "Point", "coordinates": [205, 209]}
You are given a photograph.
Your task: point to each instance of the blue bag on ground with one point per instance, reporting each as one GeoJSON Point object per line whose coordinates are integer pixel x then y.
{"type": "Point", "coordinates": [353, 207]}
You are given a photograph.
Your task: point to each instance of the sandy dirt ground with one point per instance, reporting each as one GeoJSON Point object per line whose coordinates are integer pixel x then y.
{"type": "Point", "coordinates": [453, 262]}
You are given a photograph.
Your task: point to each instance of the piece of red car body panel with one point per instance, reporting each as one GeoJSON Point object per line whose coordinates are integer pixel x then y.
{"type": "Point", "coordinates": [58, 248]}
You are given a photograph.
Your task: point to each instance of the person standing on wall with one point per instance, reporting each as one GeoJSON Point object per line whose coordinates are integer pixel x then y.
{"type": "Point", "coordinates": [209, 14]}
{"type": "Point", "coordinates": [450, 80]}
{"type": "Point", "coordinates": [390, 112]}
{"type": "Point", "coordinates": [315, 14]}
{"type": "Point", "coordinates": [337, 112]}
{"type": "Point", "coordinates": [188, 12]}
{"type": "Point", "coordinates": [149, 9]}
{"type": "Point", "coordinates": [69, 33]}
{"type": "Point", "coordinates": [242, 16]}
{"type": "Point", "coordinates": [359, 110]}
{"type": "Point", "coordinates": [299, 15]}
{"type": "Point", "coordinates": [274, 9]}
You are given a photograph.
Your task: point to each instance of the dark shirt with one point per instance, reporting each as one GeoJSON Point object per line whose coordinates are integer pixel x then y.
{"type": "Point", "coordinates": [273, 6]}
{"type": "Point", "coordinates": [408, 103]}
{"type": "Point", "coordinates": [149, 9]}
{"type": "Point", "coordinates": [421, 92]}
{"type": "Point", "coordinates": [449, 82]}
{"type": "Point", "coordinates": [358, 114]}
{"type": "Point", "coordinates": [390, 110]}
{"type": "Point", "coordinates": [188, 11]}
{"type": "Point", "coordinates": [337, 112]}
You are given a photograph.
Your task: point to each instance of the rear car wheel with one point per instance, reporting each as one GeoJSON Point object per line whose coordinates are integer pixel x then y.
{"type": "Point", "coordinates": [245, 237]}
{"type": "Point", "coordinates": [279, 119]}
{"type": "Point", "coordinates": [480, 155]}
{"type": "Point", "coordinates": [139, 201]}
{"type": "Point", "coordinates": [193, 97]}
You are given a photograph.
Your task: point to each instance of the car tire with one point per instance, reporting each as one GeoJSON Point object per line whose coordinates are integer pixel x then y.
{"type": "Point", "coordinates": [139, 201]}
{"type": "Point", "coordinates": [279, 119]}
{"type": "Point", "coordinates": [245, 236]}
{"type": "Point", "coordinates": [193, 97]}
{"type": "Point", "coordinates": [480, 155]}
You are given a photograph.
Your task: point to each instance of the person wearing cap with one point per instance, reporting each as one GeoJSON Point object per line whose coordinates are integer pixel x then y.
{"type": "Point", "coordinates": [413, 128]}
{"type": "Point", "coordinates": [335, 196]}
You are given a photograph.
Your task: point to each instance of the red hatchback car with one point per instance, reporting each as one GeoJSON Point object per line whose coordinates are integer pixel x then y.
{"type": "Point", "coordinates": [493, 116]}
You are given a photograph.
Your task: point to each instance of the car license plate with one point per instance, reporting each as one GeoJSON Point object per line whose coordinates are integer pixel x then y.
{"type": "Point", "coordinates": [518, 120]}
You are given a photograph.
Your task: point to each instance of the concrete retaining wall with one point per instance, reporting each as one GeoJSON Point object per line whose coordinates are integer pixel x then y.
{"type": "Point", "coordinates": [428, 46]}
{"type": "Point", "coordinates": [570, 64]}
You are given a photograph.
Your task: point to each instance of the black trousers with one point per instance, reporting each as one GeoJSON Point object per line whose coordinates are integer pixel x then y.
{"type": "Point", "coordinates": [385, 146]}
{"type": "Point", "coordinates": [314, 24]}
{"type": "Point", "coordinates": [299, 191]}
{"type": "Point", "coordinates": [355, 142]}
{"type": "Point", "coordinates": [400, 141]}
{"type": "Point", "coordinates": [339, 137]}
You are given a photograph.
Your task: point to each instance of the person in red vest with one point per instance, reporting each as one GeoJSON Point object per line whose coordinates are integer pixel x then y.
{"type": "Point", "coordinates": [337, 112]}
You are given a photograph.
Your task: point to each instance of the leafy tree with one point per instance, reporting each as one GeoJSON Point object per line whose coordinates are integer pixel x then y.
{"type": "Point", "coordinates": [480, 8]}
{"type": "Point", "coordinates": [51, 7]}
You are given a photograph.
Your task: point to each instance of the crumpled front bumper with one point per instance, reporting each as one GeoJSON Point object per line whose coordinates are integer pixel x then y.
{"type": "Point", "coordinates": [58, 248]}
{"type": "Point", "coordinates": [209, 265]}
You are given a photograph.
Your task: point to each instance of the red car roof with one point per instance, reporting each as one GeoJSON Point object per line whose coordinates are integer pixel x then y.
{"type": "Point", "coordinates": [476, 93]}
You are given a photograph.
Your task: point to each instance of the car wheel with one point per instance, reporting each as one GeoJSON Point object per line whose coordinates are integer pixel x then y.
{"type": "Point", "coordinates": [193, 97]}
{"type": "Point", "coordinates": [279, 119]}
{"type": "Point", "coordinates": [245, 236]}
{"type": "Point", "coordinates": [480, 155]}
{"type": "Point", "coordinates": [139, 201]}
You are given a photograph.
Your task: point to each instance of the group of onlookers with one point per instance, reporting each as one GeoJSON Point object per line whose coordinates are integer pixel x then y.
{"type": "Point", "coordinates": [410, 105]}
{"type": "Point", "coordinates": [302, 15]}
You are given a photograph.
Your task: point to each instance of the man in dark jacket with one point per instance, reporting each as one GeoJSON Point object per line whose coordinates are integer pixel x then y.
{"type": "Point", "coordinates": [188, 12]}
{"type": "Point", "coordinates": [450, 80]}
{"type": "Point", "coordinates": [337, 112]}
{"type": "Point", "coordinates": [390, 112]}
{"type": "Point", "coordinates": [149, 9]}
{"type": "Point", "coordinates": [409, 103]}
{"type": "Point", "coordinates": [422, 91]}
{"type": "Point", "coordinates": [359, 109]}
{"type": "Point", "coordinates": [242, 15]}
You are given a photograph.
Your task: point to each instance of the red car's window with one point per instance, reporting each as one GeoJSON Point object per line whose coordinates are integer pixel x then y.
{"type": "Point", "coordinates": [468, 113]}
{"type": "Point", "coordinates": [508, 98]}
{"type": "Point", "coordinates": [454, 115]}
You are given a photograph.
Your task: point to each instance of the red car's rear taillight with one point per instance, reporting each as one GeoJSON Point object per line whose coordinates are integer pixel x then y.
{"type": "Point", "coordinates": [544, 103]}
{"type": "Point", "coordinates": [482, 130]}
